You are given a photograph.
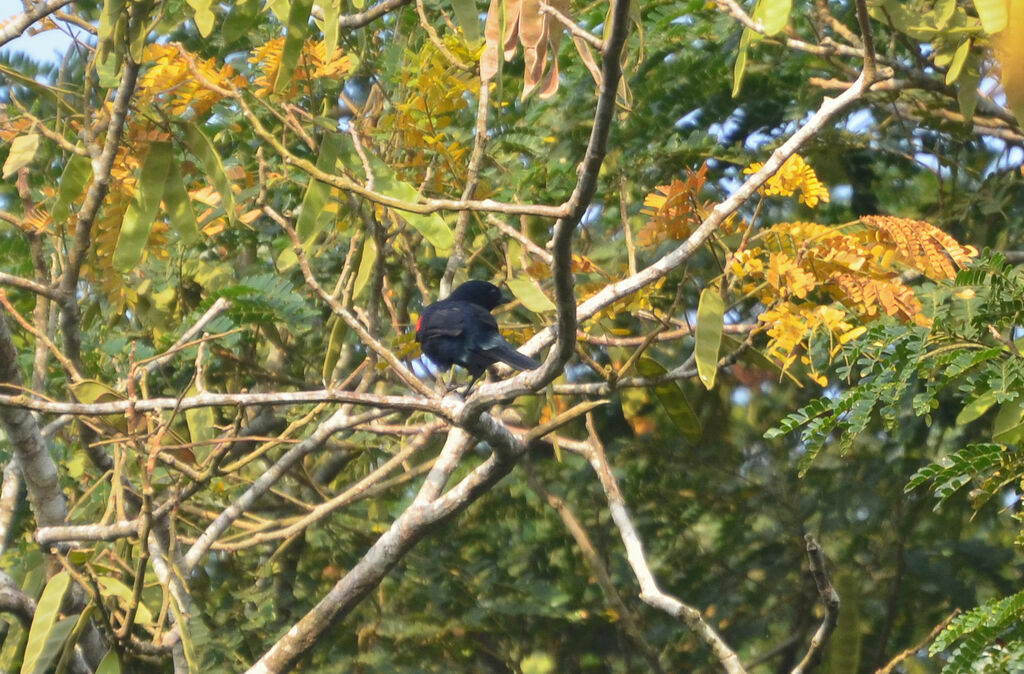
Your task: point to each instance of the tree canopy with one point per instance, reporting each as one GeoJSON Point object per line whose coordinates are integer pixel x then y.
{"type": "Point", "coordinates": [765, 251]}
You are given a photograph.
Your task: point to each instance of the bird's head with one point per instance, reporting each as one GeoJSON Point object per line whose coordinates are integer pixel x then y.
{"type": "Point", "coordinates": [482, 293]}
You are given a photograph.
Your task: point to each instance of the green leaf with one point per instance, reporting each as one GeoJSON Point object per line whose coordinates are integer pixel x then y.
{"type": "Point", "coordinates": [204, 17]}
{"type": "Point", "coordinates": [741, 61]}
{"type": "Point", "coordinates": [1008, 426]}
{"type": "Point", "coordinates": [993, 15]}
{"type": "Point", "coordinates": [532, 297]}
{"type": "Point", "coordinates": [315, 216]}
{"type": "Point", "coordinates": [432, 226]}
{"type": "Point", "coordinates": [298, 25]}
{"type": "Point", "coordinates": [141, 213]}
{"type": "Point", "coordinates": [672, 399]}
{"type": "Point", "coordinates": [332, 12]}
{"type": "Point", "coordinates": [108, 35]}
{"type": "Point", "coordinates": [338, 332]}
{"type": "Point", "coordinates": [976, 408]}
{"type": "Point", "coordinates": [110, 664]}
{"type": "Point", "coordinates": [201, 423]}
{"type": "Point", "coordinates": [43, 624]}
{"type": "Point", "coordinates": [113, 587]}
{"type": "Point", "coordinates": [468, 18]}
{"type": "Point", "coordinates": [188, 645]}
{"type": "Point", "coordinates": [202, 147]}
{"type": "Point", "coordinates": [179, 207]}
{"type": "Point", "coordinates": [76, 175]}
{"type": "Point", "coordinates": [23, 150]}
{"type": "Point", "coordinates": [773, 14]}
{"type": "Point", "coordinates": [710, 321]}
{"type": "Point", "coordinates": [366, 262]}
{"type": "Point", "coordinates": [240, 19]}
{"type": "Point", "coordinates": [967, 86]}
{"type": "Point", "coordinates": [958, 61]}
{"type": "Point", "coordinates": [108, 70]}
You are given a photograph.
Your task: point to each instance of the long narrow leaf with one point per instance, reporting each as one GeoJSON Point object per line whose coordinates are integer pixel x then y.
{"type": "Point", "coordinates": [298, 26]}
{"type": "Point", "coordinates": [138, 220]}
{"type": "Point", "coordinates": [202, 147]}
{"type": "Point", "coordinates": [710, 319]}
{"type": "Point", "coordinates": [45, 618]}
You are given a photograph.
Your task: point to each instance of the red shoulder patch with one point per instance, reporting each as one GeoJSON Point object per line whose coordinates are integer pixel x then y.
{"type": "Point", "coordinates": [419, 323]}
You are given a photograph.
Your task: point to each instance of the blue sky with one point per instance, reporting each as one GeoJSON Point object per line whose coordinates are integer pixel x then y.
{"type": "Point", "coordinates": [48, 46]}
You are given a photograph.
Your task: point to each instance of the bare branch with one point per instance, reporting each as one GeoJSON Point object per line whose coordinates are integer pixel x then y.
{"type": "Point", "coordinates": [32, 286]}
{"type": "Point", "coordinates": [34, 461]}
{"type": "Point", "coordinates": [649, 590]}
{"type": "Point", "coordinates": [409, 403]}
{"type": "Point", "coordinates": [9, 500]}
{"type": "Point", "coordinates": [16, 26]}
{"type": "Point", "coordinates": [604, 579]}
{"type": "Point", "coordinates": [82, 239]}
{"type": "Point", "coordinates": [363, 18]}
{"type": "Point", "coordinates": [921, 645]}
{"type": "Point", "coordinates": [829, 597]}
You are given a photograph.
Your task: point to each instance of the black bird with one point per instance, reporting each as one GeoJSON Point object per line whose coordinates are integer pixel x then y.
{"type": "Point", "coordinates": [460, 330]}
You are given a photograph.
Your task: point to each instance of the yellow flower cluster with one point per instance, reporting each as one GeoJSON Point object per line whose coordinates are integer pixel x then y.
{"type": "Point", "coordinates": [168, 81]}
{"type": "Point", "coordinates": [314, 62]}
{"type": "Point", "coordinates": [795, 174]}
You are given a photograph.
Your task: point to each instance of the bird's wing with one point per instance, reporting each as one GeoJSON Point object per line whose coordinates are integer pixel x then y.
{"type": "Point", "coordinates": [445, 319]}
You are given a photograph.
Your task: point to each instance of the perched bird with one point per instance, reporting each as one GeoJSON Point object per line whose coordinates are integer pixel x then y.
{"type": "Point", "coordinates": [460, 330]}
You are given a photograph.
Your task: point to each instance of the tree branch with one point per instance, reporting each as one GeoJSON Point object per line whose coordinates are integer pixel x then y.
{"type": "Point", "coordinates": [650, 593]}
{"type": "Point", "coordinates": [34, 461]}
{"type": "Point", "coordinates": [829, 597]}
{"type": "Point", "coordinates": [17, 25]}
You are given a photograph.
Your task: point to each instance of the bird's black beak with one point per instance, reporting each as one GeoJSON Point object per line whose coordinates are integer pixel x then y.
{"type": "Point", "coordinates": [505, 298]}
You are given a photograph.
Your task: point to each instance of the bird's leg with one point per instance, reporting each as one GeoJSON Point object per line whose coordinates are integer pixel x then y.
{"type": "Point", "coordinates": [450, 385]}
{"type": "Point", "coordinates": [471, 382]}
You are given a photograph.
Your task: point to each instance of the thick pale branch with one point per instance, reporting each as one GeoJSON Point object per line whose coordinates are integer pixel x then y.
{"type": "Point", "coordinates": [423, 515]}
{"type": "Point", "coordinates": [364, 18]}
{"type": "Point", "coordinates": [409, 403]}
{"type": "Point", "coordinates": [34, 461]}
{"type": "Point", "coordinates": [31, 286]}
{"type": "Point", "coordinates": [649, 590]}
{"type": "Point", "coordinates": [16, 26]}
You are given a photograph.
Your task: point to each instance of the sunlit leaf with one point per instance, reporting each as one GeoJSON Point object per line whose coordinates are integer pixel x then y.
{"type": "Point", "coordinates": [298, 24]}
{"type": "Point", "coordinates": [773, 14]}
{"type": "Point", "coordinates": [366, 264]}
{"type": "Point", "coordinates": [710, 321]}
{"type": "Point", "coordinates": [76, 175]}
{"type": "Point", "coordinates": [114, 587]}
{"type": "Point", "coordinates": [22, 151]}
{"type": "Point", "coordinates": [138, 220]}
{"type": "Point", "coordinates": [179, 207]}
{"type": "Point", "coordinates": [204, 17]}
{"type": "Point", "coordinates": [339, 330]}
{"type": "Point", "coordinates": [468, 18]}
{"type": "Point", "coordinates": [202, 147]}
{"type": "Point", "coordinates": [532, 297]}
{"type": "Point", "coordinates": [315, 216]}
{"type": "Point", "coordinates": [993, 14]}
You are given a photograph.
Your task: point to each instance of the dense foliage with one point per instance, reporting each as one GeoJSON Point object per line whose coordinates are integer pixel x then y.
{"type": "Point", "coordinates": [772, 270]}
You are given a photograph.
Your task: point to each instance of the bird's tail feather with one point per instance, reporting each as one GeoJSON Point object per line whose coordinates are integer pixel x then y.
{"type": "Point", "coordinates": [506, 354]}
